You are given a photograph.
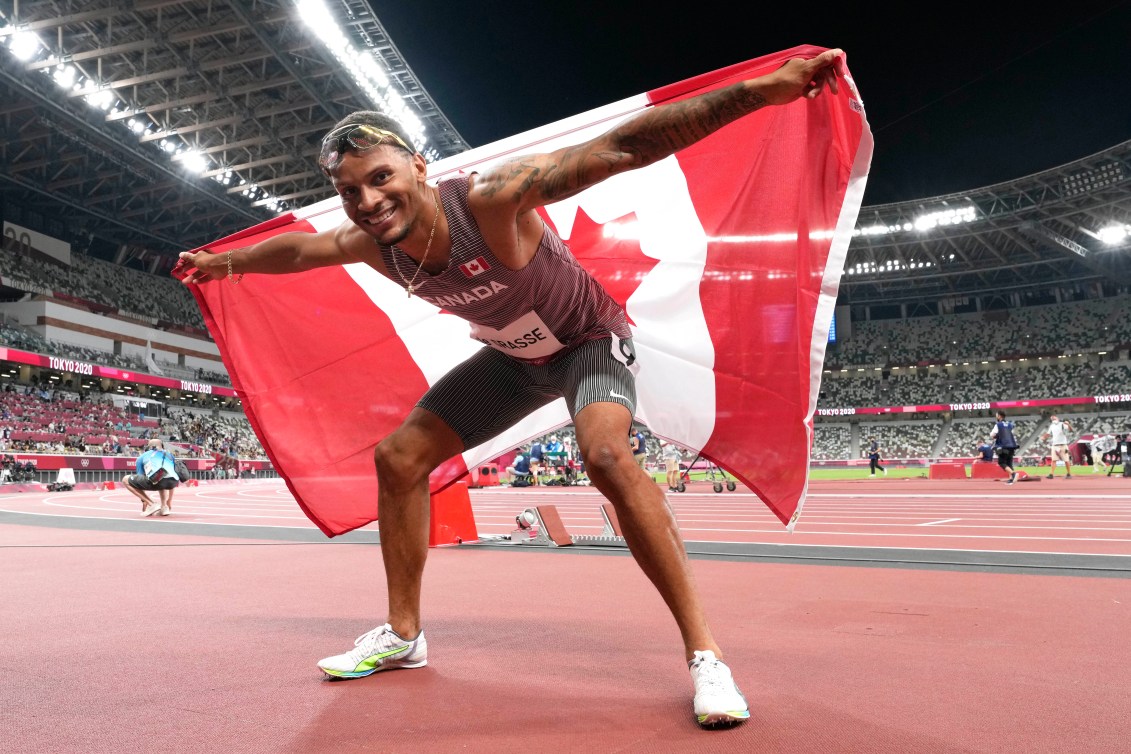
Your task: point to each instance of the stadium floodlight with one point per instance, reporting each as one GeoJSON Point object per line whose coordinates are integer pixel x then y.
{"type": "Point", "coordinates": [65, 75]}
{"type": "Point", "coordinates": [1113, 235]}
{"type": "Point", "coordinates": [364, 68]}
{"type": "Point", "coordinates": [946, 217]}
{"type": "Point", "coordinates": [101, 98]}
{"type": "Point", "coordinates": [1093, 179]}
{"type": "Point", "coordinates": [25, 45]}
{"type": "Point", "coordinates": [193, 160]}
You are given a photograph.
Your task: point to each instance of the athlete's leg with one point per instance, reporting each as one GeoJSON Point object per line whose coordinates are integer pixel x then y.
{"type": "Point", "coordinates": [646, 519]}
{"type": "Point", "coordinates": [1067, 458]}
{"type": "Point", "coordinates": [471, 404]}
{"type": "Point", "coordinates": [404, 460]}
{"type": "Point", "coordinates": [139, 494]}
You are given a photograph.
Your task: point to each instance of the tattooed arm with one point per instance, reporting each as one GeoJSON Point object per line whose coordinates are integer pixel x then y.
{"type": "Point", "coordinates": [524, 183]}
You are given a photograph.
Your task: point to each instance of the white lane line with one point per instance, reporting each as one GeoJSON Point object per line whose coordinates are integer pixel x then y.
{"type": "Point", "coordinates": [163, 520]}
{"type": "Point", "coordinates": [177, 510]}
{"type": "Point", "coordinates": [936, 523]}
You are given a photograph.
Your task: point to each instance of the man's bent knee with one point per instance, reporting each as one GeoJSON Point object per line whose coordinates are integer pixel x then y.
{"type": "Point", "coordinates": [397, 464]}
{"type": "Point", "coordinates": [407, 457]}
{"type": "Point", "coordinates": [609, 461]}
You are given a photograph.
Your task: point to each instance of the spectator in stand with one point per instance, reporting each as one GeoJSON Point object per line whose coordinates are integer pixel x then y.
{"type": "Point", "coordinates": [874, 457]}
{"type": "Point", "coordinates": [1005, 444]}
{"type": "Point", "coordinates": [1058, 432]}
{"type": "Point", "coordinates": [155, 473]}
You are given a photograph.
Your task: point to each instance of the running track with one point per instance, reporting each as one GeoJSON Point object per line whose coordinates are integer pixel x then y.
{"type": "Point", "coordinates": [960, 616]}
{"type": "Point", "coordinates": [1087, 516]}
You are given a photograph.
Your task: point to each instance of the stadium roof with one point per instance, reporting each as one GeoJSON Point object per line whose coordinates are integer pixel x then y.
{"type": "Point", "coordinates": [1036, 231]}
{"type": "Point", "coordinates": [168, 124]}
{"type": "Point", "coordinates": [164, 124]}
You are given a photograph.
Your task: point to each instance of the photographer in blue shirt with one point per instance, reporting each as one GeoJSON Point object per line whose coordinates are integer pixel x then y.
{"type": "Point", "coordinates": [155, 473]}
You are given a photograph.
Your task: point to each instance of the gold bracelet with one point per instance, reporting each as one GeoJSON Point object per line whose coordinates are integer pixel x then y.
{"type": "Point", "coordinates": [230, 280]}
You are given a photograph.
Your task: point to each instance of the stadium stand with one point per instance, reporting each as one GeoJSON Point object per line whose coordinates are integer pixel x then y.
{"type": "Point", "coordinates": [1071, 327]}
{"type": "Point", "coordinates": [126, 291]}
{"type": "Point", "coordinates": [831, 441]}
{"type": "Point", "coordinates": [1044, 351]}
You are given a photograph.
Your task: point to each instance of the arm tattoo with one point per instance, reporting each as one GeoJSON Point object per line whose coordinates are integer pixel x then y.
{"type": "Point", "coordinates": [667, 129]}
{"type": "Point", "coordinates": [504, 174]}
{"type": "Point", "coordinates": [574, 172]}
{"type": "Point", "coordinates": [642, 140]}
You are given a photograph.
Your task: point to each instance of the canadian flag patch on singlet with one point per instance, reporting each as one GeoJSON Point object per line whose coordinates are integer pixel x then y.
{"type": "Point", "coordinates": [475, 267]}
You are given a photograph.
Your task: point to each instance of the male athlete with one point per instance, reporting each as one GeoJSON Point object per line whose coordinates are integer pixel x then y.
{"type": "Point", "coordinates": [550, 331]}
{"type": "Point", "coordinates": [1058, 433]}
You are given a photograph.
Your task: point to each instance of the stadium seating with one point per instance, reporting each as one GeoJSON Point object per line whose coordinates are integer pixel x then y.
{"type": "Point", "coordinates": [1076, 348]}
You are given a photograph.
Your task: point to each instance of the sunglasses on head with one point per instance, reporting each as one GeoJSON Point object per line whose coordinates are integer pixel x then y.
{"type": "Point", "coordinates": [357, 136]}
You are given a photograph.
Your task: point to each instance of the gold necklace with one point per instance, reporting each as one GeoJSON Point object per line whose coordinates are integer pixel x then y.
{"type": "Point", "coordinates": [408, 284]}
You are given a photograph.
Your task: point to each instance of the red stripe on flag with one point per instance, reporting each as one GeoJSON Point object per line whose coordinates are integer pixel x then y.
{"type": "Point", "coordinates": [787, 170]}
{"type": "Point", "coordinates": [327, 377]}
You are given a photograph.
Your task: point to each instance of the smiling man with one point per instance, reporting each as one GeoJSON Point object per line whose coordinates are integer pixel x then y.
{"type": "Point", "coordinates": [476, 246]}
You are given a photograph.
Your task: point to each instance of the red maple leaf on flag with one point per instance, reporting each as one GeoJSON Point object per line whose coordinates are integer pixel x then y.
{"type": "Point", "coordinates": [615, 259]}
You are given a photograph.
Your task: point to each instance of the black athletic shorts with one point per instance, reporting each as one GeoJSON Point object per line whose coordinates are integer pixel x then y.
{"type": "Point", "coordinates": [490, 392]}
{"type": "Point", "coordinates": [141, 482]}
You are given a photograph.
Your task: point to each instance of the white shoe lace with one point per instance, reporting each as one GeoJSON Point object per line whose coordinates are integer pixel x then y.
{"type": "Point", "coordinates": [714, 677]}
{"type": "Point", "coordinates": [714, 681]}
{"type": "Point", "coordinates": [372, 642]}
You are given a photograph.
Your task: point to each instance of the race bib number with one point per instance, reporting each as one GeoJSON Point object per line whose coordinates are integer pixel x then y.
{"type": "Point", "coordinates": [525, 338]}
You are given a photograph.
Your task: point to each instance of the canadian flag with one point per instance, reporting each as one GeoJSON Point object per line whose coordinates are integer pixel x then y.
{"type": "Point", "coordinates": [726, 256]}
{"type": "Point", "coordinates": [475, 267]}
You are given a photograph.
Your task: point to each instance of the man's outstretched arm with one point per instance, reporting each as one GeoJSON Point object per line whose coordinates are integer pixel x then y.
{"type": "Point", "coordinates": [281, 254]}
{"type": "Point", "coordinates": [534, 180]}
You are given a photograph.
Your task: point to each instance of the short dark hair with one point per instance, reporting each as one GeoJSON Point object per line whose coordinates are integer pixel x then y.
{"type": "Point", "coordinates": [377, 120]}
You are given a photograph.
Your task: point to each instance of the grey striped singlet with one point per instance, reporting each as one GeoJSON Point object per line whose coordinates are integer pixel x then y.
{"type": "Point", "coordinates": [533, 314]}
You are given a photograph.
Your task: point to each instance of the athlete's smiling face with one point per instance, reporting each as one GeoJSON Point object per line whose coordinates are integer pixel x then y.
{"type": "Point", "coordinates": [382, 191]}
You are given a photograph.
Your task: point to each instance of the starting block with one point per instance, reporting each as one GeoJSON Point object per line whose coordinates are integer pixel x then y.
{"type": "Point", "coordinates": [611, 536]}
{"type": "Point", "coordinates": [545, 528]}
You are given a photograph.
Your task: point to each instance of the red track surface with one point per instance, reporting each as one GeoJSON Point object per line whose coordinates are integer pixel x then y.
{"type": "Point", "coordinates": [165, 639]}
{"type": "Point", "coordinates": [1087, 515]}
